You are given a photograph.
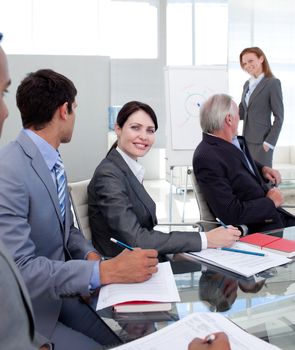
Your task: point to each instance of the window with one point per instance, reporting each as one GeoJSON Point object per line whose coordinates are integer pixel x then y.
{"type": "Point", "coordinates": [197, 32]}
{"type": "Point", "coordinates": [116, 28]}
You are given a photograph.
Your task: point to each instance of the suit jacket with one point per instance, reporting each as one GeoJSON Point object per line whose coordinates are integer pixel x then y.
{"type": "Point", "coordinates": [234, 193]}
{"type": "Point", "coordinates": [120, 207]}
{"type": "Point", "coordinates": [17, 320]}
{"type": "Point", "coordinates": [264, 100]}
{"type": "Point", "coordinates": [31, 226]}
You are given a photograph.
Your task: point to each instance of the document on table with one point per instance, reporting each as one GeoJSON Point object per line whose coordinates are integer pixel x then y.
{"type": "Point", "coordinates": [243, 264]}
{"type": "Point", "coordinates": [179, 334]}
{"type": "Point", "coordinates": [160, 287]}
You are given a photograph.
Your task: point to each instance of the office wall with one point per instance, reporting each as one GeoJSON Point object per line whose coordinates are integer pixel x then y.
{"type": "Point", "coordinates": [143, 80]}
{"type": "Point", "coordinates": [91, 75]}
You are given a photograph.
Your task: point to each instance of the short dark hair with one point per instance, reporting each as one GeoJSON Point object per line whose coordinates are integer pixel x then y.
{"type": "Point", "coordinates": [130, 108]}
{"type": "Point", "coordinates": [40, 94]}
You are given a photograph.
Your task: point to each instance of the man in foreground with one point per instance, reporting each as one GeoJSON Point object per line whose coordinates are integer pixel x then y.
{"type": "Point", "coordinates": [17, 328]}
{"type": "Point", "coordinates": [57, 263]}
{"type": "Point", "coordinates": [235, 186]}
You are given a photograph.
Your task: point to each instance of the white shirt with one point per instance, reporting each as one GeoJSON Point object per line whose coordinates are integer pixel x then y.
{"type": "Point", "coordinates": [137, 169]}
{"type": "Point", "coordinates": [253, 82]}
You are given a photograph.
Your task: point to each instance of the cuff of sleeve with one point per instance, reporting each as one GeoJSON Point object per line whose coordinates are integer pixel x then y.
{"type": "Point", "coordinates": [269, 145]}
{"type": "Point", "coordinates": [204, 240]}
{"type": "Point", "coordinates": [95, 277]}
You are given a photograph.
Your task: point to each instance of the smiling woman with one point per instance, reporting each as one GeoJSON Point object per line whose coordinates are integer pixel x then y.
{"type": "Point", "coordinates": [119, 205]}
{"type": "Point", "coordinates": [261, 98]}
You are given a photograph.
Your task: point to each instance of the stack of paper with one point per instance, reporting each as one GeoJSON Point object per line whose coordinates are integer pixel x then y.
{"type": "Point", "coordinates": [161, 287]}
{"type": "Point", "coordinates": [181, 333]}
{"type": "Point", "coordinates": [243, 264]}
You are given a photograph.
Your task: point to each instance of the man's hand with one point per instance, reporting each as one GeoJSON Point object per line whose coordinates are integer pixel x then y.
{"type": "Point", "coordinates": [276, 196]}
{"type": "Point", "coordinates": [272, 175]}
{"type": "Point", "coordinates": [129, 266]}
{"type": "Point", "coordinates": [220, 343]}
{"type": "Point", "coordinates": [222, 237]}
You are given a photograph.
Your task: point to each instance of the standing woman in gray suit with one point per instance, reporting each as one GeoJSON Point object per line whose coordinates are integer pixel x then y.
{"type": "Point", "coordinates": [119, 205]}
{"type": "Point", "coordinates": [261, 98]}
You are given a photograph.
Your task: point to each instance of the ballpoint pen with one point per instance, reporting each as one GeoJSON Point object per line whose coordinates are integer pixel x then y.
{"type": "Point", "coordinates": [210, 338]}
{"type": "Point", "coordinates": [221, 223]}
{"type": "Point", "coordinates": [121, 243]}
{"type": "Point", "coordinates": [242, 251]}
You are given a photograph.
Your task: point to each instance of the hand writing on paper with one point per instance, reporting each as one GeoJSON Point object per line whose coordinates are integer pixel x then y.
{"type": "Point", "coordinates": [220, 343]}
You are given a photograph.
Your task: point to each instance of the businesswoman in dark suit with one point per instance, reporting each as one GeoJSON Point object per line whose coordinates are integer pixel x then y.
{"type": "Point", "coordinates": [120, 207]}
{"type": "Point", "coordinates": [261, 98]}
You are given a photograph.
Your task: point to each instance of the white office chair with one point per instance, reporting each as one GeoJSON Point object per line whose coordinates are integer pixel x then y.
{"type": "Point", "coordinates": [207, 219]}
{"type": "Point", "coordinates": [79, 199]}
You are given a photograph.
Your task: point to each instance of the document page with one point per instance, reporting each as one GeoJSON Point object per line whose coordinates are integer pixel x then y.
{"type": "Point", "coordinates": [243, 264]}
{"type": "Point", "coordinates": [160, 287]}
{"type": "Point", "coordinates": [181, 333]}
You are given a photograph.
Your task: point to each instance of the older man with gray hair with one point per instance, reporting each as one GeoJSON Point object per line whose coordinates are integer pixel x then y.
{"type": "Point", "coordinates": [238, 190]}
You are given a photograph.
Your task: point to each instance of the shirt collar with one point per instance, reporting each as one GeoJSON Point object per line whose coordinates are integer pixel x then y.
{"type": "Point", "coordinates": [257, 80]}
{"type": "Point", "coordinates": [49, 153]}
{"type": "Point", "coordinates": [137, 169]}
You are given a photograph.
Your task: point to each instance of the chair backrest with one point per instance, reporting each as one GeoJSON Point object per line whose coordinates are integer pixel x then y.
{"type": "Point", "coordinates": [206, 215]}
{"type": "Point", "coordinates": [79, 199]}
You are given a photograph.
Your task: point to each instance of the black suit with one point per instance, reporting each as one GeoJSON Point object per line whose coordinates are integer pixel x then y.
{"type": "Point", "coordinates": [234, 193]}
{"type": "Point", "coordinates": [120, 207]}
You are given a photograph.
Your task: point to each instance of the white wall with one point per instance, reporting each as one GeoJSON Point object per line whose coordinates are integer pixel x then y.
{"type": "Point", "coordinates": [91, 76]}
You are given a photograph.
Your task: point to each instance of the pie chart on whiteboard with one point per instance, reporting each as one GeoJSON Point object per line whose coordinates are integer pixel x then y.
{"type": "Point", "coordinates": [193, 104]}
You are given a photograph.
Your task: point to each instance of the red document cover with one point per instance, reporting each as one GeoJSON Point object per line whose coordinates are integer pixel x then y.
{"type": "Point", "coordinates": [282, 245]}
{"type": "Point", "coordinates": [274, 244]}
{"type": "Point", "coordinates": [142, 306]}
{"type": "Point", "coordinates": [259, 239]}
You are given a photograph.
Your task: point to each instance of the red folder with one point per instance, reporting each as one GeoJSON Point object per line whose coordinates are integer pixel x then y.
{"type": "Point", "coordinates": [277, 245]}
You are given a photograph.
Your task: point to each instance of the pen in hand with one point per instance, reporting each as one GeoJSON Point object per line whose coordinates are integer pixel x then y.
{"type": "Point", "coordinates": [221, 223]}
{"type": "Point", "coordinates": [121, 243]}
{"type": "Point", "coordinates": [210, 338]}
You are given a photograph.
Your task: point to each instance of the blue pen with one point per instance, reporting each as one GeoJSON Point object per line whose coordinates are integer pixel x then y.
{"type": "Point", "coordinates": [221, 223]}
{"type": "Point", "coordinates": [121, 243]}
{"type": "Point", "coordinates": [241, 251]}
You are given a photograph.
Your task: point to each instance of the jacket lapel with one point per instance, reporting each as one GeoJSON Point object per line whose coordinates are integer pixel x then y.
{"type": "Point", "coordinates": [41, 169]}
{"type": "Point", "coordinates": [138, 188]}
{"type": "Point", "coordinates": [257, 90]}
{"type": "Point", "coordinates": [234, 151]}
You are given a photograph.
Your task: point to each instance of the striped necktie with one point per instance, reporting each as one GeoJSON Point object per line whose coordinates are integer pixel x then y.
{"type": "Point", "coordinates": [60, 184]}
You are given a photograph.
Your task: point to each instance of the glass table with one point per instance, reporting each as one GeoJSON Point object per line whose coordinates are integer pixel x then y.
{"type": "Point", "coordinates": [263, 305]}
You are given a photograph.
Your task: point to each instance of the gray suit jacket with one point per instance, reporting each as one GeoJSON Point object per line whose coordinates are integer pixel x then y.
{"type": "Point", "coordinates": [31, 227]}
{"type": "Point", "coordinates": [17, 321]}
{"type": "Point", "coordinates": [120, 207]}
{"type": "Point", "coordinates": [264, 100]}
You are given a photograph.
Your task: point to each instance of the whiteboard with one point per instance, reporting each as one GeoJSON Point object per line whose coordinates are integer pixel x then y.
{"type": "Point", "coordinates": [186, 88]}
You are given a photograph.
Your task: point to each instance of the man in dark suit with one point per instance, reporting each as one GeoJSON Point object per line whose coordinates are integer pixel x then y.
{"type": "Point", "coordinates": [56, 261]}
{"type": "Point", "coordinates": [235, 186]}
{"type": "Point", "coordinates": [17, 329]}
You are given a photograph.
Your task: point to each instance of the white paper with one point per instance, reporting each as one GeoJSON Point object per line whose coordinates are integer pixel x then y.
{"type": "Point", "coordinates": [243, 264]}
{"type": "Point", "coordinates": [160, 287]}
{"type": "Point", "coordinates": [181, 333]}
